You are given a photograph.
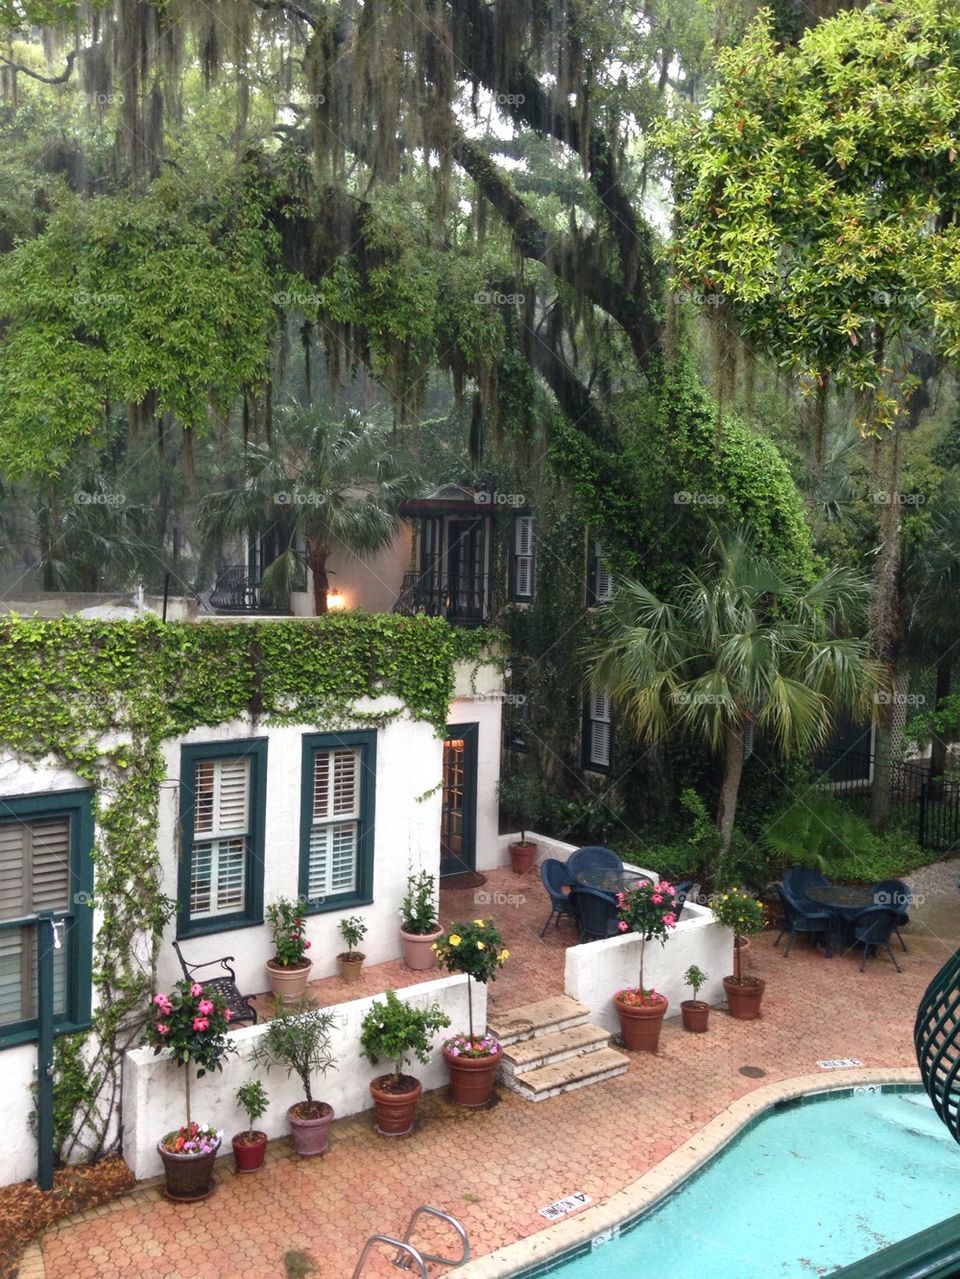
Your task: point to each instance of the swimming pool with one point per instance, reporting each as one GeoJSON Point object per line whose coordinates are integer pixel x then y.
{"type": "Point", "coordinates": [806, 1188]}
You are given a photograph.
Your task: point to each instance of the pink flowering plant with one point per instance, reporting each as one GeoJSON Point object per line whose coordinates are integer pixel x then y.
{"type": "Point", "coordinates": [290, 940]}
{"type": "Point", "coordinates": [650, 910]}
{"type": "Point", "coordinates": [193, 1025]}
{"type": "Point", "coordinates": [475, 948]}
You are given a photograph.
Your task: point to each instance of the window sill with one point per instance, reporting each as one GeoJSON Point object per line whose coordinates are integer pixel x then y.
{"type": "Point", "coordinates": [205, 928]}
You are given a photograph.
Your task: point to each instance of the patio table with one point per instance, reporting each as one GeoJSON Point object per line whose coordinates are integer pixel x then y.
{"type": "Point", "coordinates": [843, 902]}
{"type": "Point", "coordinates": [608, 878]}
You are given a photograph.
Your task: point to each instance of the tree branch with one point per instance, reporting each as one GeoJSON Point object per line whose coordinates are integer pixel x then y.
{"type": "Point", "coordinates": [62, 78]}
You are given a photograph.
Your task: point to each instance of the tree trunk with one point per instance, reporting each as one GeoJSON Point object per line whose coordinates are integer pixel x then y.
{"type": "Point", "coordinates": [732, 772]}
{"type": "Point", "coordinates": [886, 631]}
{"type": "Point", "coordinates": [317, 563]}
{"type": "Point", "coordinates": [938, 743]}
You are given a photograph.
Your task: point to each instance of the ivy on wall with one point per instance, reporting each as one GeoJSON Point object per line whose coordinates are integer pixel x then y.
{"type": "Point", "coordinates": [101, 697]}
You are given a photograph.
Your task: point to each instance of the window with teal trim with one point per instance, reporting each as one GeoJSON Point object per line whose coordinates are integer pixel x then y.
{"type": "Point", "coordinates": [45, 865]}
{"type": "Point", "coordinates": [222, 811]}
{"type": "Point", "coordinates": [338, 781]}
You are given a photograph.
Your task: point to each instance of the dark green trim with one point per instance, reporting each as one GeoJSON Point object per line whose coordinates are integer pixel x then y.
{"type": "Point", "coordinates": [255, 748]}
{"type": "Point", "coordinates": [933, 1253]}
{"type": "Point", "coordinates": [77, 805]}
{"type": "Point", "coordinates": [313, 742]}
{"type": "Point", "coordinates": [468, 853]}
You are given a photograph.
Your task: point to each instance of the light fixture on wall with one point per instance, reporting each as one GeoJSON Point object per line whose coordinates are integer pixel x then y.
{"type": "Point", "coordinates": [335, 600]}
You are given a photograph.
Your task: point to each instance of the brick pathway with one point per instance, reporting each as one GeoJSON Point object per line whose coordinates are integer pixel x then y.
{"type": "Point", "coordinates": [494, 1170]}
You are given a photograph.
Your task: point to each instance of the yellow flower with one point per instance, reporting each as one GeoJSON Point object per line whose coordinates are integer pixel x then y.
{"type": "Point", "coordinates": [454, 939]}
{"type": "Point", "coordinates": [479, 921]}
{"type": "Point", "coordinates": [504, 954]}
{"type": "Point", "coordinates": [481, 946]}
{"type": "Point", "coordinates": [434, 946]}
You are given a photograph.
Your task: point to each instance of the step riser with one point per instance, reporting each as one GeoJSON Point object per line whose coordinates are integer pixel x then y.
{"type": "Point", "coordinates": [518, 1070]}
{"type": "Point", "coordinates": [517, 1086]}
{"type": "Point", "coordinates": [521, 1036]}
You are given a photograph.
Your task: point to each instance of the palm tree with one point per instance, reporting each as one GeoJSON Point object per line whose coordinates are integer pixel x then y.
{"type": "Point", "coordinates": [329, 484]}
{"type": "Point", "coordinates": [742, 642]}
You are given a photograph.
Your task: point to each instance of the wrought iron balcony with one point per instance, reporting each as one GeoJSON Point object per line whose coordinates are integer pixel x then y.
{"type": "Point", "coordinates": [237, 590]}
{"type": "Point", "coordinates": [463, 601]}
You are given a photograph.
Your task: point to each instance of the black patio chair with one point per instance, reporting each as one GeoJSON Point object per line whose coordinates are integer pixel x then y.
{"type": "Point", "coordinates": [596, 912]}
{"type": "Point", "coordinates": [593, 858]}
{"type": "Point", "coordinates": [799, 917]}
{"type": "Point", "coordinates": [874, 927]}
{"type": "Point", "coordinates": [895, 894]}
{"type": "Point", "coordinates": [680, 896]}
{"type": "Point", "coordinates": [225, 984]}
{"type": "Point", "coordinates": [555, 878]}
{"type": "Point", "coordinates": [798, 879]}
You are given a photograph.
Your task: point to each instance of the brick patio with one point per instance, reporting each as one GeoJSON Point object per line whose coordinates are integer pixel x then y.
{"type": "Point", "coordinates": [494, 1170]}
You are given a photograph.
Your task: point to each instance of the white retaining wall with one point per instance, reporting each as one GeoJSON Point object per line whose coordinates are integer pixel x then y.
{"type": "Point", "coordinates": [153, 1087]}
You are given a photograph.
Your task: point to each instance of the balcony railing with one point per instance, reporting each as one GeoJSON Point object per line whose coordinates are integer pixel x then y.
{"type": "Point", "coordinates": [464, 601]}
{"type": "Point", "coordinates": [237, 590]}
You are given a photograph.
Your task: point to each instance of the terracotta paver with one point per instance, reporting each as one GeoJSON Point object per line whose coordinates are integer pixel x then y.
{"type": "Point", "coordinates": [494, 1169]}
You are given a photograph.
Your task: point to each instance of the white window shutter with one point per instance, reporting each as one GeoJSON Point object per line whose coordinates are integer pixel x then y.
{"type": "Point", "coordinates": [603, 589]}
{"type": "Point", "coordinates": [221, 829]}
{"type": "Point", "coordinates": [523, 556]}
{"type": "Point", "coordinates": [335, 833]}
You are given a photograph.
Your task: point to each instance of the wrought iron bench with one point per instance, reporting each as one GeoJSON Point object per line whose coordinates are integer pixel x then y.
{"type": "Point", "coordinates": [241, 1006]}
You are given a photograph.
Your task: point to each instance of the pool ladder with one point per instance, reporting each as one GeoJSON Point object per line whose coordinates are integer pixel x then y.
{"type": "Point", "coordinates": [407, 1256]}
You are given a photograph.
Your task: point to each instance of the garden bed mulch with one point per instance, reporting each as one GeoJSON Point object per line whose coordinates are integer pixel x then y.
{"type": "Point", "coordinates": [25, 1210]}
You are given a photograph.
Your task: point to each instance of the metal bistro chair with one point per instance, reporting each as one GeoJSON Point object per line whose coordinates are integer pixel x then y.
{"type": "Point", "coordinates": [241, 1006]}
{"type": "Point", "coordinates": [555, 878]}
{"type": "Point", "coordinates": [895, 894]}
{"type": "Point", "coordinates": [799, 918]}
{"type": "Point", "coordinates": [874, 927]}
{"type": "Point", "coordinates": [593, 858]}
{"type": "Point", "coordinates": [798, 879]}
{"type": "Point", "coordinates": [596, 912]}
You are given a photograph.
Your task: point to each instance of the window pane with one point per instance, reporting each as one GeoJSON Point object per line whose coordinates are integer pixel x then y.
{"type": "Point", "coordinates": [599, 743]}
{"type": "Point", "coordinates": [333, 859]}
{"type": "Point", "coordinates": [218, 878]}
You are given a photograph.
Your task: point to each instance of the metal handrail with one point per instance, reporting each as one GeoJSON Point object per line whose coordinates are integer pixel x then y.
{"type": "Point", "coordinates": [425, 1209]}
{"type": "Point", "coordinates": [402, 1247]}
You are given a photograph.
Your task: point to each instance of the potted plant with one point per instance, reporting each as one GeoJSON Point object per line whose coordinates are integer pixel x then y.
{"type": "Point", "coordinates": [648, 910]}
{"type": "Point", "coordinates": [289, 968]}
{"type": "Point", "coordinates": [741, 912]}
{"type": "Point", "coordinates": [193, 1026]}
{"type": "Point", "coordinates": [299, 1038]}
{"type": "Point", "coordinates": [249, 1146]}
{"type": "Point", "coordinates": [391, 1031]}
{"type": "Point", "coordinates": [521, 796]}
{"type": "Point", "coordinates": [419, 927]}
{"type": "Point", "coordinates": [694, 1012]}
{"type": "Point", "coordinates": [477, 949]}
{"type": "Point", "coordinates": [352, 930]}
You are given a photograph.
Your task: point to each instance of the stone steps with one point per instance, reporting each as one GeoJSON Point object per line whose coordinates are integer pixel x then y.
{"type": "Point", "coordinates": [551, 1048]}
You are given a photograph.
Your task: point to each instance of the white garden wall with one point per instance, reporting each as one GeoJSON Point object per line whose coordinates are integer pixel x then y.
{"type": "Point", "coordinates": [478, 698]}
{"type": "Point", "coordinates": [153, 1087]}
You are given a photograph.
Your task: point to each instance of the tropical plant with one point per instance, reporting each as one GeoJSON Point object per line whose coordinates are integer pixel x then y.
{"type": "Point", "coordinates": [815, 829]}
{"type": "Point", "coordinates": [394, 1030]}
{"type": "Point", "coordinates": [253, 1101]}
{"type": "Point", "coordinates": [522, 797]}
{"type": "Point", "coordinates": [743, 645]}
{"type": "Point", "coordinates": [328, 484]}
{"type": "Point", "coordinates": [352, 930]}
{"type": "Point", "coordinates": [418, 912]}
{"type": "Point", "coordinates": [290, 941]}
{"type": "Point", "coordinates": [299, 1039]}
{"type": "Point", "coordinates": [475, 948]}
{"type": "Point", "coordinates": [695, 977]}
{"type": "Point", "coordinates": [649, 910]}
{"type": "Point", "coordinates": [193, 1026]}
{"type": "Point", "coordinates": [744, 914]}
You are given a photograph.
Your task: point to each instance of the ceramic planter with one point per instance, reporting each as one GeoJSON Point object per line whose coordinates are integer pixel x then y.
{"type": "Point", "coordinates": [418, 952]}
{"type": "Point", "coordinates": [695, 1014]}
{"type": "Point", "coordinates": [395, 1110]}
{"type": "Point", "coordinates": [640, 1025]}
{"type": "Point", "coordinates": [351, 963]}
{"type": "Point", "coordinates": [310, 1127]}
{"type": "Point", "coordinates": [523, 856]}
{"type": "Point", "coordinates": [472, 1079]}
{"type": "Point", "coordinates": [189, 1176]}
{"type": "Point", "coordinates": [289, 982]}
{"type": "Point", "coordinates": [249, 1149]}
{"type": "Point", "coordinates": [744, 996]}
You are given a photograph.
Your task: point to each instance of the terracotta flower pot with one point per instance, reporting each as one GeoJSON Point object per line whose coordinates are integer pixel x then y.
{"type": "Point", "coordinates": [472, 1079]}
{"type": "Point", "coordinates": [744, 997]}
{"type": "Point", "coordinates": [640, 1025]}
{"type": "Point", "coordinates": [249, 1149]}
{"type": "Point", "coordinates": [395, 1107]}
{"type": "Point", "coordinates": [523, 856]}
{"type": "Point", "coordinates": [351, 962]}
{"type": "Point", "coordinates": [310, 1126]}
{"type": "Point", "coordinates": [695, 1015]}
{"type": "Point", "coordinates": [418, 952]}
{"type": "Point", "coordinates": [189, 1176]}
{"type": "Point", "coordinates": [289, 982]}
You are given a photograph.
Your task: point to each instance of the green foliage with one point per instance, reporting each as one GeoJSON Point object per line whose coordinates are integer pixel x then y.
{"type": "Point", "coordinates": [253, 1101]}
{"type": "Point", "coordinates": [648, 910]}
{"type": "Point", "coordinates": [522, 795]}
{"type": "Point", "coordinates": [695, 978]}
{"type": "Point", "coordinates": [298, 1037]}
{"type": "Point", "coordinates": [420, 906]}
{"type": "Point", "coordinates": [74, 1093]}
{"type": "Point", "coordinates": [815, 829]}
{"type": "Point", "coordinates": [193, 1025]}
{"type": "Point", "coordinates": [352, 930]}
{"type": "Point", "coordinates": [394, 1030]}
{"type": "Point", "coordinates": [474, 947]}
{"type": "Point", "coordinates": [288, 927]}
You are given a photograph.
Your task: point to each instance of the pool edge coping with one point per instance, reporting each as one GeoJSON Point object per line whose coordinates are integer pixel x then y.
{"type": "Point", "coordinates": [646, 1191]}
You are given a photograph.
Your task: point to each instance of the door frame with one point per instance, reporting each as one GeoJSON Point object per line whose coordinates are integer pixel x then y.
{"type": "Point", "coordinates": [468, 853]}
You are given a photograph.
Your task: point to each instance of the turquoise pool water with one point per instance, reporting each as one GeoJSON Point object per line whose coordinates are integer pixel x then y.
{"type": "Point", "coordinates": [806, 1189]}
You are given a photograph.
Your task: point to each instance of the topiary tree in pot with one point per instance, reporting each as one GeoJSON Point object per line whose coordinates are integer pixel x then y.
{"type": "Point", "coordinates": [299, 1039]}
{"type": "Point", "coordinates": [392, 1031]}
{"type": "Point", "coordinates": [694, 1012]}
{"type": "Point", "coordinates": [521, 797]}
{"type": "Point", "coordinates": [475, 948]}
{"type": "Point", "coordinates": [742, 913]}
{"type": "Point", "coordinates": [250, 1146]}
{"type": "Point", "coordinates": [419, 923]}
